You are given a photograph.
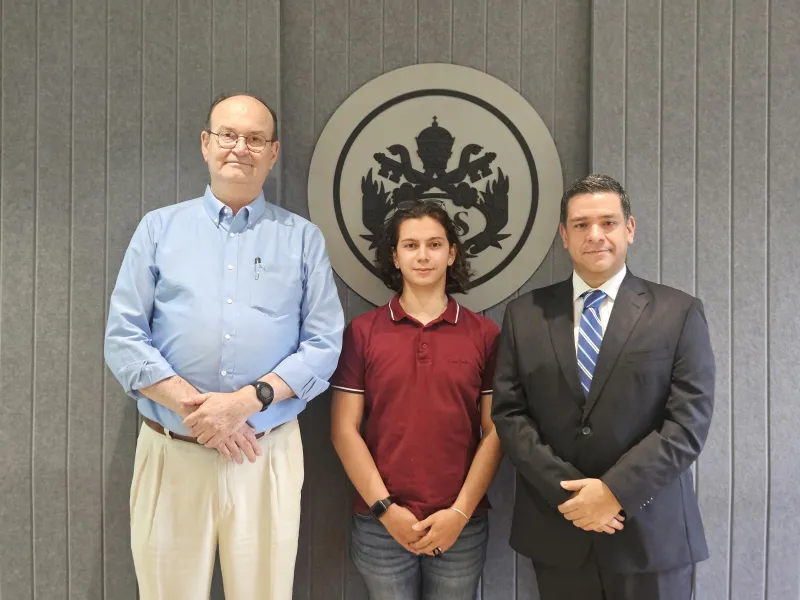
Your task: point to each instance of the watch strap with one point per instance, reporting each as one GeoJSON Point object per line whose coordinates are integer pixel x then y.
{"type": "Point", "coordinates": [381, 506]}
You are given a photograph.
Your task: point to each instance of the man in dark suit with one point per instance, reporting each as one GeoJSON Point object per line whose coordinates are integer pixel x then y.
{"type": "Point", "coordinates": [603, 395]}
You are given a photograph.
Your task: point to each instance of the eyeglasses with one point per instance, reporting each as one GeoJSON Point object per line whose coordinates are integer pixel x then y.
{"type": "Point", "coordinates": [409, 204]}
{"type": "Point", "coordinates": [229, 139]}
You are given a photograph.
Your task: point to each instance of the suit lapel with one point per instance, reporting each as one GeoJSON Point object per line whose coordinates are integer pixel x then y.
{"type": "Point", "coordinates": [628, 307]}
{"type": "Point", "coordinates": [562, 334]}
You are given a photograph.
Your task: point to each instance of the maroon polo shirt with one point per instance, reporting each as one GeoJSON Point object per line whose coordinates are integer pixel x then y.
{"type": "Point", "coordinates": [422, 389]}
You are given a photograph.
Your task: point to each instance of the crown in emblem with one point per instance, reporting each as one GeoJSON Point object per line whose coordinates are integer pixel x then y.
{"type": "Point", "coordinates": [434, 146]}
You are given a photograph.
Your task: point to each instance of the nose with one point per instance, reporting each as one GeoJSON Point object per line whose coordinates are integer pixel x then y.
{"type": "Point", "coordinates": [595, 233]}
{"type": "Point", "coordinates": [240, 147]}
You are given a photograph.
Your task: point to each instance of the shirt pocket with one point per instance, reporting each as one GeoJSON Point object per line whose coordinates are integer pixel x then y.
{"type": "Point", "coordinates": [276, 293]}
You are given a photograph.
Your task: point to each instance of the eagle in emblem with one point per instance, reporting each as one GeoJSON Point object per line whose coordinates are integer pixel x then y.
{"type": "Point", "coordinates": [434, 148]}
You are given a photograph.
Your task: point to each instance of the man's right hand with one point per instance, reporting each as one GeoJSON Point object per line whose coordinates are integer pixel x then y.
{"type": "Point", "coordinates": [398, 521]}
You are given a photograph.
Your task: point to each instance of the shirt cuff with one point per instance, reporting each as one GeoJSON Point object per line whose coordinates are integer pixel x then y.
{"type": "Point", "coordinates": [305, 384]}
{"type": "Point", "coordinates": [138, 375]}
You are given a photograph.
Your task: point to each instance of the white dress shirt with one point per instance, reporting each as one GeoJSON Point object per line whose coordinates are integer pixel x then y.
{"type": "Point", "coordinates": [610, 287]}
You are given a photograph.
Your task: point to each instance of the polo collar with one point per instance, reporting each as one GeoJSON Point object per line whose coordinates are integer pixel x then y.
{"type": "Point", "coordinates": [451, 314]}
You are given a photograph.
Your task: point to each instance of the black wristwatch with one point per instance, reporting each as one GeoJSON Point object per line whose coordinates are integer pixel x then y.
{"type": "Point", "coordinates": [381, 506]}
{"type": "Point", "coordinates": [264, 393]}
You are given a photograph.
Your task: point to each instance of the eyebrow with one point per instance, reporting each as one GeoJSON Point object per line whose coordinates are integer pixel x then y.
{"type": "Point", "coordinates": [581, 219]}
{"type": "Point", "coordinates": [251, 132]}
{"type": "Point", "coordinates": [433, 239]}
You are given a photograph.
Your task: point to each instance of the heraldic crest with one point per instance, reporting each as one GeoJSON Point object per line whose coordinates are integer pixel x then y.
{"type": "Point", "coordinates": [434, 148]}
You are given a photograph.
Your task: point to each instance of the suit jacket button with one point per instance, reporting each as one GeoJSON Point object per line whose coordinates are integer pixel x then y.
{"type": "Point", "coordinates": [586, 431]}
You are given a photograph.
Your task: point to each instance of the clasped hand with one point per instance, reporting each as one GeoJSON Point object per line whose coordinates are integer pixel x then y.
{"type": "Point", "coordinates": [440, 530]}
{"type": "Point", "coordinates": [592, 507]}
{"type": "Point", "coordinates": [218, 421]}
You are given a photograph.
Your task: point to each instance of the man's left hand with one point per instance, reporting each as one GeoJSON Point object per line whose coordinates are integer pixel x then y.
{"type": "Point", "coordinates": [242, 441]}
{"type": "Point", "coordinates": [218, 416]}
{"type": "Point", "coordinates": [443, 527]}
{"type": "Point", "coordinates": [592, 506]}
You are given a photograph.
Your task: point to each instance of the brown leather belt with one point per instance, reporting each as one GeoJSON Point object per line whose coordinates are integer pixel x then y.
{"type": "Point", "coordinates": [175, 436]}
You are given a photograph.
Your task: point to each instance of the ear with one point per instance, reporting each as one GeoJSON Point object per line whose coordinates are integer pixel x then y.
{"type": "Point", "coordinates": [451, 255]}
{"type": "Point", "coordinates": [205, 137]}
{"type": "Point", "coordinates": [563, 231]}
{"type": "Point", "coordinates": [394, 259]}
{"type": "Point", "coordinates": [631, 227]}
{"type": "Point", "coordinates": [275, 147]}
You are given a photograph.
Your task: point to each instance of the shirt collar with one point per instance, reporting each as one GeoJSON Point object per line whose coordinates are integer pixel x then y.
{"type": "Point", "coordinates": [451, 314]}
{"type": "Point", "coordinates": [253, 211]}
{"type": "Point", "coordinates": [610, 287]}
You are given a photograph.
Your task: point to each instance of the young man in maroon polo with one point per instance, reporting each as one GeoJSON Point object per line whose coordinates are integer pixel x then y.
{"type": "Point", "coordinates": [417, 373]}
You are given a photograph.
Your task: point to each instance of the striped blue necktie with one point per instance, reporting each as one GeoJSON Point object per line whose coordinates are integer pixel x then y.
{"type": "Point", "coordinates": [590, 336]}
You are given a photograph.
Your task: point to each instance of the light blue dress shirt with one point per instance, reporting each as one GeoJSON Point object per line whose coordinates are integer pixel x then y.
{"type": "Point", "coordinates": [222, 300]}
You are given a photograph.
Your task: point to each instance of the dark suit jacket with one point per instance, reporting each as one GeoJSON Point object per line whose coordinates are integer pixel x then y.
{"type": "Point", "coordinates": [642, 426]}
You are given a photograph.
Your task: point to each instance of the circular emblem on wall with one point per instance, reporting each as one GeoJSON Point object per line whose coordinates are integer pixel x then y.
{"type": "Point", "coordinates": [448, 134]}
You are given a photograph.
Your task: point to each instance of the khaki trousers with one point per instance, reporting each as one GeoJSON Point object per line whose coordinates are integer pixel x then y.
{"type": "Point", "coordinates": [187, 499]}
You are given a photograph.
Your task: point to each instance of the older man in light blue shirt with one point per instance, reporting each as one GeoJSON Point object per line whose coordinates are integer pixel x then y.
{"type": "Point", "coordinates": [224, 322]}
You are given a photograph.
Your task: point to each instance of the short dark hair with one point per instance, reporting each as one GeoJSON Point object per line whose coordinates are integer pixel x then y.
{"type": "Point", "coordinates": [595, 184]}
{"type": "Point", "coordinates": [226, 95]}
{"type": "Point", "coordinates": [458, 273]}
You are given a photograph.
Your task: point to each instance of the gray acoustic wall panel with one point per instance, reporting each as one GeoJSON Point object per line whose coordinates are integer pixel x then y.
{"type": "Point", "coordinates": [694, 108]}
{"type": "Point", "coordinates": [691, 104]}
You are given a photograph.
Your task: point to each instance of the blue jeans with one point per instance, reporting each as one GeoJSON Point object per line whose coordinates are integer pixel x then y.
{"type": "Point", "coordinates": [393, 573]}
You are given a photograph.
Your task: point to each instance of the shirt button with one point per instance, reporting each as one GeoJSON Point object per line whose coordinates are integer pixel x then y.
{"type": "Point", "coordinates": [227, 336]}
{"type": "Point", "coordinates": [230, 301]}
{"type": "Point", "coordinates": [424, 346]}
{"type": "Point", "coordinates": [232, 234]}
{"type": "Point", "coordinates": [230, 267]}
{"type": "Point", "coordinates": [586, 431]}
{"type": "Point", "coordinates": [223, 373]}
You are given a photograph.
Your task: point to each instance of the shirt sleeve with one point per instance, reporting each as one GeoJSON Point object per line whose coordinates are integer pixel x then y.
{"type": "Point", "coordinates": [349, 376]}
{"type": "Point", "coordinates": [491, 338]}
{"type": "Point", "coordinates": [322, 321]}
{"type": "Point", "coordinates": [128, 347]}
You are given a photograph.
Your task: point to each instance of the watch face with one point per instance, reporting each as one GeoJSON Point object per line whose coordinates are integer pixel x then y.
{"type": "Point", "coordinates": [266, 393]}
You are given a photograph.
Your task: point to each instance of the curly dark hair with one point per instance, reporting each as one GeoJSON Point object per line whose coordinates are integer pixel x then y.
{"type": "Point", "coordinates": [458, 274]}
